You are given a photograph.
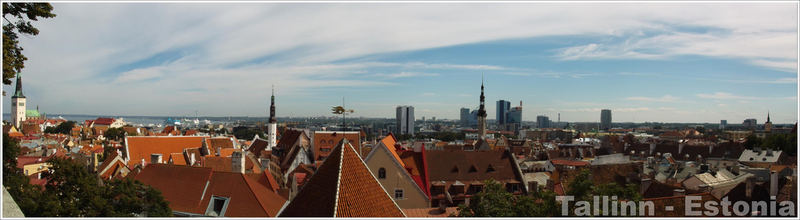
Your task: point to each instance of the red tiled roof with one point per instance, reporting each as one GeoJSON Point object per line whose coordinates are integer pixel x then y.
{"type": "Point", "coordinates": [177, 158]}
{"type": "Point", "coordinates": [329, 140]}
{"type": "Point", "coordinates": [25, 160]}
{"type": "Point", "coordinates": [343, 187]}
{"type": "Point", "coordinates": [190, 189]}
{"type": "Point", "coordinates": [570, 163]}
{"type": "Point", "coordinates": [257, 146]}
{"type": "Point", "coordinates": [103, 121]}
{"type": "Point", "coordinates": [141, 147]}
{"type": "Point", "coordinates": [431, 212]}
{"type": "Point", "coordinates": [182, 186]}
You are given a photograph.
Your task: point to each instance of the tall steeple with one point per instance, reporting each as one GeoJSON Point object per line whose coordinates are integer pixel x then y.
{"type": "Point", "coordinates": [18, 104]}
{"type": "Point", "coordinates": [768, 124]}
{"type": "Point", "coordinates": [18, 91]}
{"type": "Point", "coordinates": [482, 115]}
{"type": "Point", "coordinates": [272, 127]}
{"type": "Point", "coordinates": [768, 116]}
{"type": "Point", "coordinates": [272, 107]}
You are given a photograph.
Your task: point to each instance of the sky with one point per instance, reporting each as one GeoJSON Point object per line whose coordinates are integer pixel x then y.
{"type": "Point", "coordinates": [662, 62]}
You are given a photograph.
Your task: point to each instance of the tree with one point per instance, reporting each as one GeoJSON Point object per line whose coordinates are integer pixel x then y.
{"type": "Point", "coordinates": [114, 133]}
{"type": "Point", "coordinates": [495, 201]}
{"type": "Point", "coordinates": [23, 13]}
{"type": "Point", "coordinates": [72, 191]}
{"type": "Point", "coordinates": [63, 128]}
{"type": "Point", "coordinates": [752, 141]}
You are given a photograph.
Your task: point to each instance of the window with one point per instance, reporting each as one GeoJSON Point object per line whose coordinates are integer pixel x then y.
{"type": "Point", "coordinates": [381, 173]}
{"type": "Point", "coordinates": [472, 169]}
{"type": "Point", "coordinates": [21, 104]}
{"type": "Point", "coordinates": [454, 170]}
{"type": "Point", "coordinates": [398, 194]}
{"type": "Point", "coordinates": [490, 169]}
{"type": "Point", "coordinates": [217, 206]}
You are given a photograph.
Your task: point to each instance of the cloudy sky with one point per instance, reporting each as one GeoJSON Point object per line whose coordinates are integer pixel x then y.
{"type": "Point", "coordinates": [668, 62]}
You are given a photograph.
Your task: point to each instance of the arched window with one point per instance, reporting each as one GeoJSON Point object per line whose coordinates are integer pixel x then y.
{"type": "Point", "coordinates": [381, 173]}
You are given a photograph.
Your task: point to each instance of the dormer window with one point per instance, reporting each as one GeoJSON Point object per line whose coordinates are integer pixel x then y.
{"type": "Point", "coordinates": [490, 169]}
{"type": "Point", "coordinates": [472, 169]}
{"type": "Point", "coordinates": [217, 206]}
{"type": "Point", "coordinates": [454, 170]}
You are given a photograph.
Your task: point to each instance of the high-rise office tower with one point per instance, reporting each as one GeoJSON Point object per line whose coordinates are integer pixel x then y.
{"type": "Point", "coordinates": [605, 119]}
{"type": "Point", "coordinates": [405, 120]}
{"type": "Point", "coordinates": [503, 107]}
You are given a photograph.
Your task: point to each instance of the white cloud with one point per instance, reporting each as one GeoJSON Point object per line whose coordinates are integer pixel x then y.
{"type": "Point", "coordinates": [665, 98]}
{"type": "Point", "coordinates": [233, 52]}
{"type": "Point", "coordinates": [742, 99]}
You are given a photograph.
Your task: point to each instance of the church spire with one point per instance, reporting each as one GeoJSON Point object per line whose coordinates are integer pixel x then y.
{"type": "Point", "coordinates": [768, 116]}
{"type": "Point", "coordinates": [272, 107]}
{"type": "Point", "coordinates": [482, 109]}
{"type": "Point", "coordinates": [18, 91]}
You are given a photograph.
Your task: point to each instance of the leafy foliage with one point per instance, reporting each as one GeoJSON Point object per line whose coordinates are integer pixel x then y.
{"type": "Point", "coordinates": [114, 133]}
{"type": "Point", "coordinates": [73, 191]}
{"type": "Point", "coordinates": [63, 128]}
{"type": "Point", "coordinates": [23, 13]}
{"type": "Point", "coordinates": [783, 142]}
{"type": "Point", "coordinates": [584, 189]}
{"type": "Point", "coordinates": [495, 201]}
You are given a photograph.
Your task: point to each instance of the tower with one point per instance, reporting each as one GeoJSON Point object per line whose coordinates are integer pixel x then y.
{"type": "Point", "coordinates": [273, 123]}
{"type": "Point", "coordinates": [482, 116]}
{"type": "Point", "coordinates": [18, 104]}
{"type": "Point", "coordinates": [768, 124]}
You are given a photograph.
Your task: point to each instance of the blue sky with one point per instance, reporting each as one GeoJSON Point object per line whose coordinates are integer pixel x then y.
{"type": "Point", "coordinates": [668, 62]}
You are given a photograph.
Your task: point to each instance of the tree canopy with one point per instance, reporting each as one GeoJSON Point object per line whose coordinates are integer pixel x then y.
{"type": "Point", "coordinates": [495, 201]}
{"type": "Point", "coordinates": [63, 128]}
{"type": "Point", "coordinates": [18, 17]}
{"type": "Point", "coordinates": [73, 191]}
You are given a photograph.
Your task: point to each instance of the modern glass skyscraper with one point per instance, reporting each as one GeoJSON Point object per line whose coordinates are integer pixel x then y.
{"type": "Point", "coordinates": [464, 117]}
{"type": "Point", "coordinates": [405, 120]}
{"type": "Point", "coordinates": [542, 121]}
{"type": "Point", "coordinates": [503, 107]}
{"type": "Point", "coordinates": [605, 119]}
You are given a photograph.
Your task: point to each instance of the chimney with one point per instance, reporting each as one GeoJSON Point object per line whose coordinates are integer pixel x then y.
{"type": "Point", "coordinates": [773, 183]}
{"type": "Point", "coordinates": [769, 152]}
{"type": "Point", "coordinates": [264, 164]}
{"type": "Point", "coordinates": [156, 158]}
{"type": "Point", "coordinates": [191, 159]}
{"type": "Point", "coordinates": [645, 184]}
{"type": "Point", "coordinates": [218, 150]}
{"type": "Point", "coordinates": [652, 147]}
{"type": "Point", "coordinates": [237, 158]}
{"type": "Point", "coordinates": [143, 163]}
{"type": "Point", "coordinates": [680, 147]}
{"type": "Point", "coordinates": [710, 148]}
{"type": "Point", "coordinates": [749, 183]}
{"type": "Point", "coordinates": [678, 192]}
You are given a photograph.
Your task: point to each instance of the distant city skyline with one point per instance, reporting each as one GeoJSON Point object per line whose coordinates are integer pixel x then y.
{"type": "Point", "coordinates": [655, 62]}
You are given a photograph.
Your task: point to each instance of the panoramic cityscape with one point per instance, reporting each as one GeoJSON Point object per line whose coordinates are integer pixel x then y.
{"type": "Point", "coordinates": [400, 109]}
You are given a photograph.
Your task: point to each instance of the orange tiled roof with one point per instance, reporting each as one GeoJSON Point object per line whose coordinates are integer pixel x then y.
{"type": "Point", "coordinates": [190, 189]}
{"type": "Point", "coordinates": [329, 139]}
{"type": "Point", "coordinates": [389, 142]}
{"type": "Point", "coordinates": [177, 158]}
{"type": "Point", "coordinates": [431, 212]}
{"type": "Point", "coordinates": [343, 187]}
{"type": "Point", "coordinates": [141, 147]}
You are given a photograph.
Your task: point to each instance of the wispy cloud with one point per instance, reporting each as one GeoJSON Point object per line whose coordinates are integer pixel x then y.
{"type": "Point", "coordinates": [729, 96]}
{"type": "Point", "coordinates": [665, 98]}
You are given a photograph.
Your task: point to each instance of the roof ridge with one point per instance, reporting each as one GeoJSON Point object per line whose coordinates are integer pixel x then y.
{"type": "Point", "coordinates": [373, 177]}
{"type": "Point", "coordinates": [339, 175]}
{"type": "Point", "coordinates": [253, 192]}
